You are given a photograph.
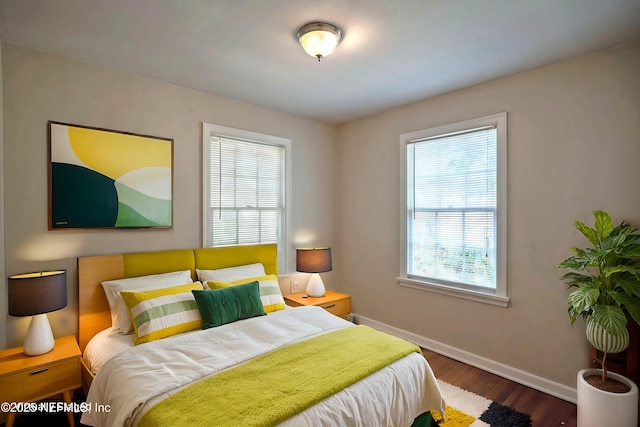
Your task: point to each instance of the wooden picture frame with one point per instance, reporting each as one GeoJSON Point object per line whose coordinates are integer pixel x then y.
{"type": "Point", "coordinates": [101, 178]}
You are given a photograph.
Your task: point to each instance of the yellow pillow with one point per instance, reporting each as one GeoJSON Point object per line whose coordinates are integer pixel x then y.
{"type": "Point", "coordinates": [270, 294]}
{"type": "Point", "coordinates": [160, 313]}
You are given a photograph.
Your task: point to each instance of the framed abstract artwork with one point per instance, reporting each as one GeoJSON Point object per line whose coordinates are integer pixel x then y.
{"type": "Point", "coordinates": [101, 178]}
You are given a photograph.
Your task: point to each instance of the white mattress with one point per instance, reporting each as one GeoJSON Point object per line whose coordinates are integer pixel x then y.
{"type": "Point", "coordinates": [393, 396]}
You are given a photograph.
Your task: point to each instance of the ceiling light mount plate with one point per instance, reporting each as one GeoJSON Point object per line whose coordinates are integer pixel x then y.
{"type": "Point", "coordinates": [319, 39]}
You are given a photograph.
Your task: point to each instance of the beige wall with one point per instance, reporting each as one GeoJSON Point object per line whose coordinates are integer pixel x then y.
{"type": "Point", "coordinates": [573, 147]}
{"type": "Point", "coordinates": [40, 87]}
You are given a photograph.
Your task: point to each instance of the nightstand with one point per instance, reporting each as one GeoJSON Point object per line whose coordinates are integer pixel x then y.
{"type": "Point", "coordinates": [333, 302]}
{"type": "Point", "coordinates": [31, 378]}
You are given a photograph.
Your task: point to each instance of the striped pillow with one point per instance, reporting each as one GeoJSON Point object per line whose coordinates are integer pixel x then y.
{"type": "Point", "coordinates": [270, 294]}
{"type": "Point", "coordinates": [160, 313]}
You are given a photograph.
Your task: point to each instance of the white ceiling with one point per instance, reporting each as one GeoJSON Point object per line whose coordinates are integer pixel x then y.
{"type": "Point", "coordinates": [394, 52]}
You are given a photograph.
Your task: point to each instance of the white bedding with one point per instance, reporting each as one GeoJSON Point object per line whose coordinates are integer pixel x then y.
{"type": "Point", "coordinates": [137, 378]}
{"type": "Point", "coordinates": [105, 345]}
{"type": "Point", "coordinates": [108, 343]}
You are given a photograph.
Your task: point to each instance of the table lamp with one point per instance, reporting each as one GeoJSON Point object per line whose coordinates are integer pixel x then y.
{"type": "Point", "coordinates": [36, 294]}
{"type": "Point", "coordinates": [314, 260]}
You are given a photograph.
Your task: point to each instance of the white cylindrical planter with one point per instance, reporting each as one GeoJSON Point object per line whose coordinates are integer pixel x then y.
{"type": "Point", "coordinates": [598, 408]}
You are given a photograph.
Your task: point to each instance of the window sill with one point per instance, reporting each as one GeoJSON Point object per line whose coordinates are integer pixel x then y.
{"type": "Point", "coordinates": [478, 296]}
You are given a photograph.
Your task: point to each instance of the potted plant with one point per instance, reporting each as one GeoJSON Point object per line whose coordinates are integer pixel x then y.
{"type": "Point", "coordinates": [606, 278]}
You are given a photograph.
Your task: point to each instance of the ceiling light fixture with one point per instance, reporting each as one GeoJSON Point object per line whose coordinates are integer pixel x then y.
{"type": "Point", "coordinates": [319, 38]}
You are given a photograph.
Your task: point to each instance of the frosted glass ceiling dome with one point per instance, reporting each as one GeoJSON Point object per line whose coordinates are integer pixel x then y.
{"type": "Point", "coordinates": [319, 39]}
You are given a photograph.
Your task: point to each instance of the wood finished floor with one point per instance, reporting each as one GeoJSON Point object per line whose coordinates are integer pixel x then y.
{"type": "Point", "coordinates": [545, 410]}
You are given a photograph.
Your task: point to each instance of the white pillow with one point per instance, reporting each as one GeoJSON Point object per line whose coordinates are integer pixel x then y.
{"type": "Point", "coordinates": [231, 274]}
{"type": "Point", "coordinates": [120, 319]}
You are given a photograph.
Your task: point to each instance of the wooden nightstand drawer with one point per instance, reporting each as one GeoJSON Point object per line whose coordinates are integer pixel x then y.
{"type": "Point", "coordinates": [339, 308]}
{"type": "Point", "coordinates": [334, 302]}
{"type": "Point", "coordinates": [40, 382]}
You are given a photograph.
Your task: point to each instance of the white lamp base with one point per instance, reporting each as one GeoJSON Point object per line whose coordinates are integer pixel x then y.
{"type": "Point", "coordinates": [315, 287]}
{"type": "Point", "coordinates": [39, 339]}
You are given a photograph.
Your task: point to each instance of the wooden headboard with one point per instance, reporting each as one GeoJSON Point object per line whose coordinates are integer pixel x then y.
{"type": "Point", "coordinates": [94, 314]}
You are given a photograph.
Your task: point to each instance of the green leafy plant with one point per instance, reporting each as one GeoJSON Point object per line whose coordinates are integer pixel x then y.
{"type": "Point", "coordinates": [607, 281]}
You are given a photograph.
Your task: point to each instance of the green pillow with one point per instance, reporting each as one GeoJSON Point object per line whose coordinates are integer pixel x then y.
{"type": "Point", "coordinates": [221, 306]}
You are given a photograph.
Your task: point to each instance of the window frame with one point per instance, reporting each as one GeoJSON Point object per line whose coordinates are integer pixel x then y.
{"type": "Point", "coordinates": [209, 129]}
{"type": "Point", "coordinates": [497, 296]}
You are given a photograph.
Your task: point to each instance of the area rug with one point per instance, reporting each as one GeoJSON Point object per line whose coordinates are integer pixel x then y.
{"type": "Point", "coordinates": [466, 409]}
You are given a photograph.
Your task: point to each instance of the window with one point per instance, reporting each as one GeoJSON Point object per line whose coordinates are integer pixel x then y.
{"type": "Point", "coordinates": [454, 209]}
{"type": "Point", "coordinates": [245, 189]}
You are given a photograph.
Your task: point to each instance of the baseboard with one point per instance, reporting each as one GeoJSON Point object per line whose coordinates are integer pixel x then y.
{"type": "Point", "coordinates": [544, 385]}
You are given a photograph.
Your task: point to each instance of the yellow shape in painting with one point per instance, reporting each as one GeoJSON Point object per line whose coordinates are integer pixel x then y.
{"type": "Point", "coordinates": [114, 154]}
{"type": "Point", "coordinates": [453, 418]}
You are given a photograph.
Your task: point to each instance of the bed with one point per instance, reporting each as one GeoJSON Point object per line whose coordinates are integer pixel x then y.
{"type": "Point", "coordinates": [249, 361]}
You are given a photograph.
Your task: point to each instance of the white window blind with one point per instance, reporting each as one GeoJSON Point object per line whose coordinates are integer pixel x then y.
{"type": "Point", "coordinates": [245, 192]}
{"type": "Point", "coordinates": [455, 209]}
{"type": "Point", "coordinates": [452, 207]}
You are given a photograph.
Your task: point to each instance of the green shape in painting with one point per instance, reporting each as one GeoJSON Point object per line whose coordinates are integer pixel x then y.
{"type": "Point", "coordinates": [128, 217]}
{"type": "Point", "coordinates": [82, 198]}
{"type": "Point", "coordinates": [141, 210]}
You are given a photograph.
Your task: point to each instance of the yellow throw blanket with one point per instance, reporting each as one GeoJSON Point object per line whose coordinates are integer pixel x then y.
{"type": "Point", "coordinates": [275, 386]}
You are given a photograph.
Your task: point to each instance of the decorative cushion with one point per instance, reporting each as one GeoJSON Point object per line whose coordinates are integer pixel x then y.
{"type": "Point", "coordinates": [120, 320]}
{"type": "Point", "coordinates": [231, 273]}
{"type": "Point", "coordinates": [270, 293]}
{"type": "Point", "coordinates": [160, 313]}
{"type": "Point", "coordinates": [221, 306]}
